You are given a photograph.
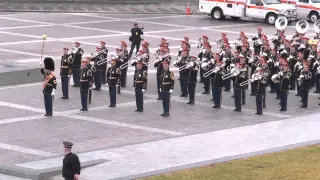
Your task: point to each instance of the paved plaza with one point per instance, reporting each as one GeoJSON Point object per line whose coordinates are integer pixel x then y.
{"type": "Point", "coordinates": [134, 144]}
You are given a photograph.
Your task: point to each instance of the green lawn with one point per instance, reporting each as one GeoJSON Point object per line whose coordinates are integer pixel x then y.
{"type": "Point", "coordinates": [297, 164]}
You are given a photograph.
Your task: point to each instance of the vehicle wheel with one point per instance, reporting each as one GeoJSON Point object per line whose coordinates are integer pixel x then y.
{"type": "Point", "coordinates": [235, 18]}
{"type": "Point", "coordinates": [314, 17]}
{"type": "Point", "coordinates": [271, 18]}
{"type": "Point", "coordinates": [217, 14]}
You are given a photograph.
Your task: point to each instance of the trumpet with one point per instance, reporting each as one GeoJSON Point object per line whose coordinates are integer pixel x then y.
{"type": "Point", "coordinates": [233, 72]}
{"type": "Point", "coordinates": [255, 77]}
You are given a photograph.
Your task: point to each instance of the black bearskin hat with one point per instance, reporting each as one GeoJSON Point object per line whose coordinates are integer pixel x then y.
{"type": "Point", "coordinates": [48, 63]}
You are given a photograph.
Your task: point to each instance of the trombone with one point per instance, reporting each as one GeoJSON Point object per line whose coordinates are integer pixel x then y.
{"type": "Point", "coordinates": [234, 72]}
{"type": "Point", "coordinates": [255, 77]}
{"type": "Point", "coordinates": [102, 61]}
{"type": "Point", "coordinates": [213, 70]}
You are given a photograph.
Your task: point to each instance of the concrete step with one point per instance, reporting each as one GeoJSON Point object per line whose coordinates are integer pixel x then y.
{"type": "Point", "coordinates": [7, 177]}
{"type": "Point", "coordinates": [105, 1]}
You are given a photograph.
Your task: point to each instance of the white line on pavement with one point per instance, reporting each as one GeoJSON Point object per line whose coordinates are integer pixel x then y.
{"type": "Point", "coordinates": [26, 150]}
{"type": "Point", "coordinates": [20, 119]}
{"type": "Point", "coordinates": [20, 52]}
{"type": "Point", "coordinates": [18, 106]}
{"type": "Point", "coordinates": [23, 27]}
{"type": "Point", "coordinates": [131, 126]}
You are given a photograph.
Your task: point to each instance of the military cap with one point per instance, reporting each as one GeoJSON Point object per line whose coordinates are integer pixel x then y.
{"type": "Point", "coordinates": [165, 63]}
{"type": "Point", "coordinates": [124, 43]}
{"type": "Point", "coordinates": [223, 34]}
{"type": "Point", "coordinates": [48, 63]}
{"type": "Point", "coordinates": [102, 42]}
{"type": "Point", "coordinates": [118, 49]}
{"type": "Point", "coordinates": [205, 37]}
{"type": "Point", "coordinates": [98, 48]}
{"type": "Point", "coordinates": [186, 37]}
{"type": "Point", "coordinates": [163, 39]}
{"type": "Point", "coordinates": [135, 24]}
{"type": "Point", "coordinates": [146, 43]}
{"type": "Point", "coordinates": [65, 49]}
{"type": "Point", "coordinates": [241, 32]}
{"type": "Point", "coordinates": [67, 144]}
{"type": "Point", "coordinates": [259, 29]}
{"type": "Point", "coordinates": [77, 43]}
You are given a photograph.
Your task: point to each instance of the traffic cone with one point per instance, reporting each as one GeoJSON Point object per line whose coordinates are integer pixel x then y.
{"type": "Point", "coordinates": [188, 10]}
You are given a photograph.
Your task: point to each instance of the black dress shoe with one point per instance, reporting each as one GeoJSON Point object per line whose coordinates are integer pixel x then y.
{"type": "Point", "coordinates": [319, 104]}
{"type": "Point", "coordinates": [259, 114]}
{"type": "Point", "coordinates": [303, 107]}
{"type": "Point", "coordinates": [283, 110]}
{"type": "Point", "coordinates": [64, 97]}
{"type": "Point", "coordinates": [109, 105]}
{"type": "Point", "coordinates": [216, 107]}
{"type": "Point", "coordinates": [190, 102]}
{"type": "Point", "coordinates": [138, 110]}
{"type": "Point", "coordinates": [113, 106]}
{"type": "Point", "coordinates": [206, 92]}
{"type": "Point", "coordinates": [96, 89]}
{"type": "Point", "coordinates": [317, 92]}
{"type": "Point", "coordinates": [46, 115]}
{"type": "Point", "coordinates": [297, 94]}
{"type": "Point", "coordinates": [181, 95]}
{"type": "Point", "coordinates": [243, 103]}
{"type": "Point", "coordinates": [232, 96]}
{"type": "Point", "coordinates": [237, 110]}
{"type": "Point", "coordinates": [264, 106]}
{"type": "Point", "coordinates": [226, 90]}
{"type": "Point", "coordinates": [159, 98]}
{"type": "Point", "coordinates": [277, 98]}
{"type": "Point", "coordinates": [318, 97]}
{"type": "Point", "coordinates": [271, 91]}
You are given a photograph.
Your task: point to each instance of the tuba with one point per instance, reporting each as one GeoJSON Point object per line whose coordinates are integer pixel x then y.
{"type": "Point", "coordinates": [302, 26]}
{"type": "Point", "coordinates": [281, 23]}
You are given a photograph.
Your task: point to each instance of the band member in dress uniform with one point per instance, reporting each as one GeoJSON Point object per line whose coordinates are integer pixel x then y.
{"type": "Point", "coordinates": [186, 40]}
{"type": "Point", "coordinates": [85, 83]}
{"type": "Point", "coordinates": [98, 69]}
{"type": "Point", "coordinates": [125, 57]}
{"type": "Point", "coordinates": [71, 166]}
{"type": "Point", "coordinates": [113, 80]}
{"type": "Point", "coordinates": [192, 78]}
{"type": "Point", "coordinates": [65, 72]}
{"type": "Point", "coordinates": [145, 49]}
{"type": "Point", "coordinates": [305, 80]}
{"type": "Point", "coordinates": [90, 66]}
{"type": "Point", "coordinates": [77, 56]}
{"type": "Point", "coordinates": [139, 85]}
{"type": "Point", "coordinates": [311, 60]}
{"type": "Point", "coordinates": [120, 61]}
{"type": "Point", "coordinates": [207, 56]}
{"type": "Point", "coordinates": [166, 88]}
{"type": "Point", "coordinates": [104, 55]}
{"type": "Point", "coordinates": [292, 60]}
{"type": "Point", "coordinates": [184, 72]}
{"type": "Point", "coordinates": [164, 56]}
{"type": "Point", "coordinates": [49, 85]}
{"type": "Point", "coordinates": [273, 69]}
{"type": "Point", "coordinates": [238, 90]}
{"type": "Point", "coordinates": [298, 68]}
{"type": "Point", "coordinates": [217, 82]}
{"type": "Point", "coordinates": [284, 76]}
{"type": "Point", "coordinates": [316, 72]}
{"type": "Point", "coordinates": [261, 88]}
{"type": "Point", "coordinates": [227, 57]}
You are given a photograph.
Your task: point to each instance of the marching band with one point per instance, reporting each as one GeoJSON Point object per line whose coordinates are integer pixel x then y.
{"type": "Point", "coordinates": [289, 65]}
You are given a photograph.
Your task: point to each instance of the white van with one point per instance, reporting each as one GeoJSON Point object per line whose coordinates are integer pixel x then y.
{"type": "Point", "coordinates": [268, 10]}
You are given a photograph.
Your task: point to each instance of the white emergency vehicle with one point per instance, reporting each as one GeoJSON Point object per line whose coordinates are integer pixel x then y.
{"type": "Point", "coordinates": [268, 10]}
{"type": "Point", "coordinates": [307, 9]}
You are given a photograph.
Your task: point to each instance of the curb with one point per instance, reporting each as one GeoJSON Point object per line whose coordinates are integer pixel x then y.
{"type": "Point", "coordinates": [104, 12]}
{"type": "Point", "coordinates": [27, 173]}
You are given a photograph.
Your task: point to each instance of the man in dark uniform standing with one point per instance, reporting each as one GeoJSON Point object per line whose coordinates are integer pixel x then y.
{"type": "Point", "coordinates": [104, 55]}
{"type": "Point", "coordinates": [113, 80]}
{"type": "Point", "coordinates": [49, 85]}
{"type": "Point", "coordinates": [261, 88]}
{"type": "Point", "coordinates": [166, 88]}
{"type": "Point", "coordinates": [99, 68]}
{"type": "Point", "coordinates": [139, 85]}
{"type": "Point", "coordinates": [77, 56]}
{"type": "Point", "coordinates": [124, 52]}
{"type": "Point", "coordinates": [285, 77]}
{"type": "Point", "coordinates": [192, 79]}
{"type": "Point", "coordinates": [305, 81]}
{"type": "Point", "coordinates": [135, 38]}
{"type": "Point", "coordinates": [217, 83]}
{"type": "Point", "coordinates": [85, 83]}
{"type": "Point", "coordinates": [71, 166]}
{"type": "Point", "coordinates": [65, 73]}
{"type": "Point", "coordinates": [238, 90]}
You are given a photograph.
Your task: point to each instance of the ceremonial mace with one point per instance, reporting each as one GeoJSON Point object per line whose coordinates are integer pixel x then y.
{"type": "Point", "coordinates": [44, 37]}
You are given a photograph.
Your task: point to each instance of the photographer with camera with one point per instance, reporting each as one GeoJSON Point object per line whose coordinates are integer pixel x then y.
{"type": "Point", "coordinates": [135, 38]}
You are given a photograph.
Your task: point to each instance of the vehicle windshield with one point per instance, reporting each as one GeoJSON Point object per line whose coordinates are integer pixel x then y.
{"type": "Point", "coordinates": [315, 1]}
{"type": "Point", "coordinates": [274, 1]}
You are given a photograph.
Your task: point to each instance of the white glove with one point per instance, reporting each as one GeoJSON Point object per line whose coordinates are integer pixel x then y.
{"type": "Point", "coordinates": [160, 90]}
{"type": "Point", "coordinates": [134, 88]}
{"type": "Point", "coordinates": [53, 92]}
{"type": "Point", "coordinates": [107, 84]}
{"type": "Point", "coordinates": [69, 76]}
{"type": "Point", "coordinates": [143, 90]}
{"type": "Point", "coordinates": [170, 91]}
